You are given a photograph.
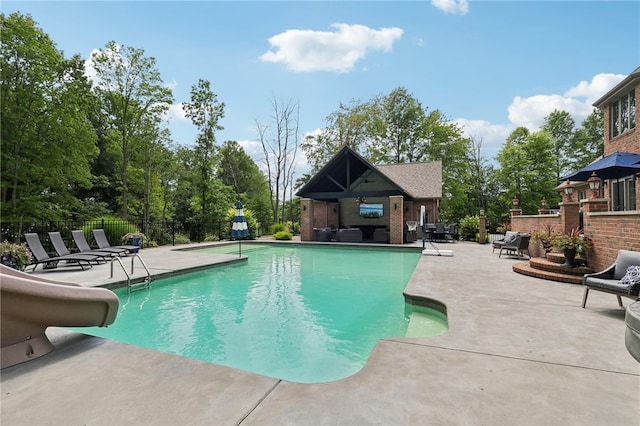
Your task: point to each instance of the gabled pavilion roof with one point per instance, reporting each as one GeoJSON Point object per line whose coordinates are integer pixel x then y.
{"type": "Point", "coordinates": [348, 174]}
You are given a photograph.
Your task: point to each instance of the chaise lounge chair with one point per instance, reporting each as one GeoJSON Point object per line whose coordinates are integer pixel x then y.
{"type": "Point", "coordinates": [42, 257]}
{"type": "Point", "coordinates": [62, 250]}
{"type": "Point", "coordinates": [84, 247]}
{"type": "Point", "coordinates": [103, 243]}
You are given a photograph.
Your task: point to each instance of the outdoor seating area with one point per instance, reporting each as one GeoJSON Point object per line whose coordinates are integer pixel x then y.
{"type": "Point", "coordinates": [439, 232]}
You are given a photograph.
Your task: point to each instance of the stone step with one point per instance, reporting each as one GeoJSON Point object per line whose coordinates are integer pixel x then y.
{"type": "Point", "coordinates": [525, 268]}
{"type": "Point", "coordinates": [553, 266]}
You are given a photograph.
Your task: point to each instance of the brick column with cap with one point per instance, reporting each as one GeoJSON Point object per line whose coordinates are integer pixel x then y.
{"type": "Point", "coordinates": [396, 222]}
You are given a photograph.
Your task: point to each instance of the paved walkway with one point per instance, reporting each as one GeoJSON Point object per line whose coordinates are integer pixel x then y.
{"type": "Point", "coordinates": [519, 351]}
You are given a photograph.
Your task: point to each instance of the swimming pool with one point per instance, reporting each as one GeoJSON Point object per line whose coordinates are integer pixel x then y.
{"type": "Point", "coordinates": [305, 314]}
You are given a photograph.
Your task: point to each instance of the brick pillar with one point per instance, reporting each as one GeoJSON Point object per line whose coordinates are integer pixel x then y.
{"type": "Point", "coordinates": [306, 219]}
{"type": "Point", "coordinates": [569, 215]}
{"type": "Point", "coordinates": [396, 222]}
{"type": "Point", "coordinates": [483, 228]}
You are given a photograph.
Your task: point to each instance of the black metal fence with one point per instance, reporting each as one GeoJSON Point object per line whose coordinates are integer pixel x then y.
{"type": "Point", "coordinates": [168, 232]}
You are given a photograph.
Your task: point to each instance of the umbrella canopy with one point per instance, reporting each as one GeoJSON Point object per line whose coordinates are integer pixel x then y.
{"type": "Point", "coordinates": [613, 166]}
{"type": "Point", "coordinates": [239, 229]}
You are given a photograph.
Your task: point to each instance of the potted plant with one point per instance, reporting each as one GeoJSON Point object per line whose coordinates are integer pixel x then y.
{"type": "Point", "coordinates": [545, 236]}
{"type": "Point", "coordinates": [16, 256]}
{"type": "Point", "coordinates": [134, 238]}
{"type": "Point", "coordinates": [572, 243]}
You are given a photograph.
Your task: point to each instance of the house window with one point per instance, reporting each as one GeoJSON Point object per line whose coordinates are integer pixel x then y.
{"type": "Point", "coordinates": [624, 194]}
{"type": "Point", "coordinates": [623, 114]}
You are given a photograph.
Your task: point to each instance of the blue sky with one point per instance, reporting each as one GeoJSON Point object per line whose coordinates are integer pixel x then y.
{"type": "Point", "coordinates": [488, 65]}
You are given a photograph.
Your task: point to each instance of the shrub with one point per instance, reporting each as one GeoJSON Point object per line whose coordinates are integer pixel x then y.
{"type": "Point", "coordinates": [469, 227]}
{"type": "Point", "coordinates": [283, 235]}
{"type": "Point", "coordinates": [15, 256]}
{"type": "Point", "coordinates": [293, 227]}
{"type": "Point", "coordinates": [277, 227]}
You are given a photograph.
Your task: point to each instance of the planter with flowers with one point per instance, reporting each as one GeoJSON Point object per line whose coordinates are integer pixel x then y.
{"type": "Point", "coordinates": [134, 239]}
{"type": "Point", "coordinates": [571, 244]}
{"type": "Point", "coordinates": [16, 256]}
{"type": "Point", "coordinates": [545, 236]}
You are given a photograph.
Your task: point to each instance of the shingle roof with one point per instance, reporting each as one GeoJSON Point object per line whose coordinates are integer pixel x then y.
{"type": "Point", "coordinates": [420, 180]}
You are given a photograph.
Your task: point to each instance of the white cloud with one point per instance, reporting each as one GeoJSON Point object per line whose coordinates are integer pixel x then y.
{"type": "Point", "coordinates": [600, 84]}
{"type": "Point", "coordinates": [176, 112]}
{"type": "Point", "coordinates": [577, 101]}
{"type": "Point", "coordinates": [453, 7]}
{"type": "Point", "coordinates": [338, 51]}
{"type": "Point", "coordinates": [491, 135]}
{"type": "Point", "coordinates": [530, 111]}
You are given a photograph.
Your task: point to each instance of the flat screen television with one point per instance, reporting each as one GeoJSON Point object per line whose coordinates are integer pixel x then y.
{"type": "Point", "coordinates": [371, 210]}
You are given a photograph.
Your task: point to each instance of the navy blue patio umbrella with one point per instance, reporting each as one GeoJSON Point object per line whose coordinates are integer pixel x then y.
{"type": "Point", "coordinates": [239, 229]}
{"type": "Point", "coordinates": [613, 166]}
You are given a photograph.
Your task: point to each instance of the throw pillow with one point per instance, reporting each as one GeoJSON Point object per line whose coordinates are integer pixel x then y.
{"type": "Point", "coordinates": [510, 238]}
{"type": "Point", "coordinates": [632, 278]}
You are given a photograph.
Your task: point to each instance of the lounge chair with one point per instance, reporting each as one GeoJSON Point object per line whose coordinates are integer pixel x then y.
{"type": "Point", "coordinates": [518, 247]}
{"type": "Point", "coordinates": [42, 257]}
{"type": "Point", "coordinates": [103, 243]}
{"type": "Point", "coordinates": [612, 280]}
{"type": "Point", "coordinates": [84, 247]}
{"type": "Point", "coordinates": [62, 250]}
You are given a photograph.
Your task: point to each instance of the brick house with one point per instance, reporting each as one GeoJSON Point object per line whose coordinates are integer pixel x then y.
{"type": "Point", "coordinates": [337, 196]}
{"type": "Point", "coordinates": [611, 216]}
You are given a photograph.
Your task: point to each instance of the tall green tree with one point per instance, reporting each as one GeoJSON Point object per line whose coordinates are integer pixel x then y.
{"type": "Point", "coordinates": [238, 171]}
{"type": "Point", "coordinates": [524, 169]}
{"type": "Point", "coordinates": [347, 126]}
{"type": "Point", "coordinates": [132, 94]}
{"type": "Point", "coordinates": [559, 126]}
{"type": "Point", "coordinates": [47, 141]}
{"type": "Point", "coordinates": [588, 141]}
{"type": "Point", "coordinates": [205, 112]}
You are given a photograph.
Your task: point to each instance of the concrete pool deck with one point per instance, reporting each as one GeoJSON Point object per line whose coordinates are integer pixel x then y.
{"type": "Point", "coordinates": [519, 350]}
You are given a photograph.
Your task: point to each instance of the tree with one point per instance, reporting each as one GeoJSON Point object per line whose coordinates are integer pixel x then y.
{"type": "Point", "coordinates": [279, 140]}
{"type": "Point", "coordinates": [588, 141]}
{"type": "Point", "coordinates": [132, 93]}
{"type": "Point", "coordinates": [205, 112]}
{"type": "Point", "coordinates": [524, 169]}
{"type": "Point", "coordinates": [398, 129]}
{"type": "Point", "coordinates": [47, 140]}
{"type": "Point", "coordinates": [240, 172]}
{"type": "Point", "coordinates": [559, 127]}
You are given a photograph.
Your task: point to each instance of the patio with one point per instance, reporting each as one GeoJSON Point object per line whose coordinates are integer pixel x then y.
{"type": "Point", "coordinates": [519, 350]}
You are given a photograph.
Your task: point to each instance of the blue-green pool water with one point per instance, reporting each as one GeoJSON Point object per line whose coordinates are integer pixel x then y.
{"type": "Point", "coordinates": [300, 313]}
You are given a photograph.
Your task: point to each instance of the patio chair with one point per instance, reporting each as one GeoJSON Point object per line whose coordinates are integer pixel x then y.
{"type": "Point", "coordinates": [518, 247]}
{"type": "Point", "coordinates": [452, 232]}
{"type": "Point", "coordinates": [42, 257]}
{"type": "Point", "coordinates": [103, 242]}
{"type": "Point", "coordinates": [439, 234]}
{"type": "Point", "coordinates": [509, 238]}
{"type": "Point", "coordinates": [84, 247]}
{"type": "Point", "coordinates": [620, 279]}
{"type": "Point", "coordinates": [62, 250]}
